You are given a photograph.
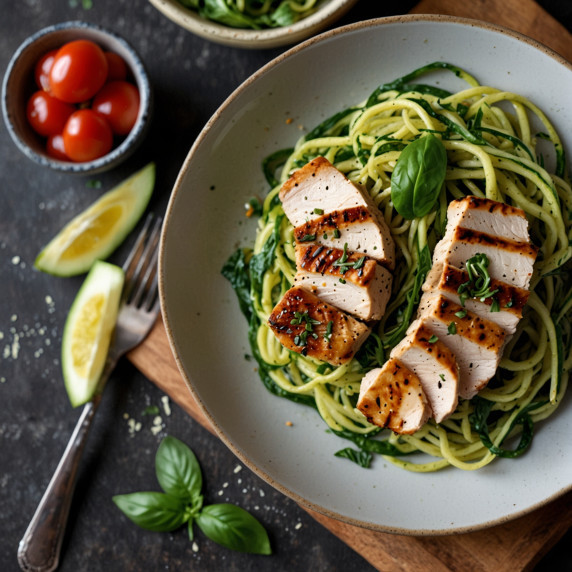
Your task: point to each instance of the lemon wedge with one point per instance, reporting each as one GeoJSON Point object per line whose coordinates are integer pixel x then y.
{"type": "Point", "coordinates": [96, 232]}
{"type": "Point", "coordinates": [88, 330]}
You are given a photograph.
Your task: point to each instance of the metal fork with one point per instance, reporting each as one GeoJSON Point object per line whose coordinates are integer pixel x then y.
{"type": "Point", "coordinates": [39, 549]}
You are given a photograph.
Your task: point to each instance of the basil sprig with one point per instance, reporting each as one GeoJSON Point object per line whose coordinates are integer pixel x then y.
{"type": "Point", "coordinates": [179, 475]}
{"type": "Point", "coordinates": [418, 177]}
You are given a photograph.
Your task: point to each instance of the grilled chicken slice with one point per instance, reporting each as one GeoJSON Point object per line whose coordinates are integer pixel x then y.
{"type": "Point", "coordinates": [349, 281]}
{"type": "Point", "coordinates": [477, 343]}
{"type": "Point", "coordinates": [392, 396]}
{"type": "Point", "coordinates": [445, 280]}
{"type": "Point", "coordinates": [491, 217]}
{"type": "Point", "coordinates": [356, 229]}
{"type": "Point", "coordinates": [435, 366]}
{"type": "Point", "coordinates": [307, 325]}
{"type": "Point", "coordinates": [509, 261]}
{"type": "Point", "coordinates": [319, 189]}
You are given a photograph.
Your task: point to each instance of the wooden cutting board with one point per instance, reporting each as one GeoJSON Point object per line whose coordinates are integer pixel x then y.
{"type": "Point", "coordinates": [514, 546]}
{"type": "Point", "coordinates": [511, 547]}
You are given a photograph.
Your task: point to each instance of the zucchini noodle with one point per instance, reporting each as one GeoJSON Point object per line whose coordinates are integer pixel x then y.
{"type": "Point", "coordinates": [498, 145]}
{"type": "Point", "coordinates": [255, 14]}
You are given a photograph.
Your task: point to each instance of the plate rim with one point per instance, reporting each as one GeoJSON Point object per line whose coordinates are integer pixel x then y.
{"type": "Point", "coordinates": [260, 472]}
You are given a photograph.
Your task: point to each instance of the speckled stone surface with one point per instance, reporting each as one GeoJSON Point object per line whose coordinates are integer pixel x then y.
{"type": "Point", "coordinates": [191, 77]}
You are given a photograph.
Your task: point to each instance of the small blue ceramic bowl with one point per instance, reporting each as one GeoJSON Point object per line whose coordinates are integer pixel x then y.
{"type": "Point", "coordinates": [18, 86]}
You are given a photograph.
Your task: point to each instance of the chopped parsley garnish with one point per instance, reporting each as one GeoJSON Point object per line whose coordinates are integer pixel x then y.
{"type": "Point", "coordinates": [309, 323]}
{"type": "Point", "coordinates": [461, 314]}
{"type": "Point", "coordinates": [452, 328]}
{"type": "Point", "coordinates": [94, 184]}
{"type": "Point", "coordinates": [336, 233]}
{"type": "Point", "coordinates": [344, 265]}
{"type": "Point", "coordinates": [308, 238]}
{"type": "Point", "coordinates": [358, 263]}
{"type": "Point", "coordinates": [318, 211]}
{"type": "Point", "coordinates": [433, 339]}
{"type": "Point", "coordinates": [478, 285]}
{"type": "Point", "coordinates": [151, 410]}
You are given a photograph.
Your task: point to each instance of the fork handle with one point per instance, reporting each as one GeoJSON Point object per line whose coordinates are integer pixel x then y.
{"type": "Point", "coordinates": [39, 549]}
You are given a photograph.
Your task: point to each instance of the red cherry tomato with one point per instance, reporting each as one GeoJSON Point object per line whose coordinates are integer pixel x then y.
{"type": "Point", "coordinates": [118, 102]}
{"type": "Point", "coordinates": [116, 67]}
{"type": "Point", "coordinates": [42, 70]}
{"type": "Point", "coordinates": [87, 136]}
{"type": "Point", "coordinates": [78, 72]}
{"type": "Point", "coordinates": [55, 147]}
{"type": "Point", "coordinates": [46, 114]}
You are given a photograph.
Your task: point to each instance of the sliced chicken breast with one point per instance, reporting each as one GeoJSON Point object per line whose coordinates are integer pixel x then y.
{"type": "Point", "coordinates": [392, 396]}
{"type": "Point", "coordinates": [491, 217]}
{"type": "Point", "coordinates": [477, 343]}
{"type": "Point", "coordinates": [445, 280]}
{"type": "Point", "coordinates": [355, 228]}
{"type": "Point", "coordinates": [435, 366]}
{"type": "Point", "coordinates": [349, 281]}
{"type": "Point", "coordinates": [509, 261]}
{"type": "Point", "coordinates": [307, 325]}
{"type": "Point", "coordinates": [319, 189]}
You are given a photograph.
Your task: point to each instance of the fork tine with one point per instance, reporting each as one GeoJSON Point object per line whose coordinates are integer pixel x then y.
{"type": "Point", "coordinates": [138, 259]}
{"type": "Point", "coordinates": [147, 266]}
{"type": "Point", "coordinates": [132, 258]}
{"type": "Point", "coordinates": [146, 285]}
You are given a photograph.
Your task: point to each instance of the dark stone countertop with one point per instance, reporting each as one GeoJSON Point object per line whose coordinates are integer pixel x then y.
{"type": "Point", "coordinates": [191, 78]}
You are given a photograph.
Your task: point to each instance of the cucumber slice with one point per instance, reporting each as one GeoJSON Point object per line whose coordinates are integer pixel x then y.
{"type": "Point", "coordinates": [88, 330]}
{"type": "Point", "coordinates": [96, 232]}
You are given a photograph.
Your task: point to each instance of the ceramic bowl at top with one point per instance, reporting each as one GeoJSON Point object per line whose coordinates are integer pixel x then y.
{"type": "Point", "coordinates": [19, 85]}
{"type": "Point", "coordinates": [326, 13]}
{"type": "Point", "coordinates": [284, 442]}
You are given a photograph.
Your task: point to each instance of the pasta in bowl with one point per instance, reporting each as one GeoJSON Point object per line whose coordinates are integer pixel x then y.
{"type": "Point", "coordinates": [287, 444]}
{"type": "Point", "coordinates": [492, 153]}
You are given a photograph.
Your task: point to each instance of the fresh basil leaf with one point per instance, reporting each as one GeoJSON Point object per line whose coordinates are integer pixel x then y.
{"type": "Point", "coordinates": [234, 528]}
{"type": "Point", "coordinates": [153, 511]}
{"type": "Point", "coordinates": [178, 470]}
{"type": "Point", "coordinates": [418, 177]}
{"type": "Point", "coordinates": [361, 458]}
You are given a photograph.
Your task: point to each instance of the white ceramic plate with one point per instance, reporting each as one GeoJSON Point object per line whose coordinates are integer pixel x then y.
{"type": "Point", "coordinates": [205, 223]}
